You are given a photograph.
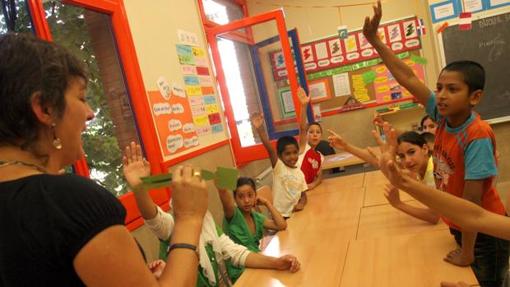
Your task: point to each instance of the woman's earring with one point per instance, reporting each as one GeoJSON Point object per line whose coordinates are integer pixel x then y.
{"type": "Point", "coordinates": [57, 143]}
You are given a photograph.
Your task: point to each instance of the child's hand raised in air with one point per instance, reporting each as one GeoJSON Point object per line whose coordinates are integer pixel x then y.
{"type": "Point", "coordinates": [288, 262]}
{"type": "Point", "coordinates": [392, 195]}
{"type": "Point", "coordinates": [135, 166]}
{"type": "Point", "coordinates": [303, 98]}
{"type": "Point", "coordinates": [372, 24]}
{"type": "Point", "coordinates": [336, 141]}
{"type": "Point", "coordinates": [257, 120]}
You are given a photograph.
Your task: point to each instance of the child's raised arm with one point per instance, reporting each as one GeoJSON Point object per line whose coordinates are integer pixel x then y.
{"type": "Point", "coordinates": [400, 70]}
{"type": "Point", "coordinates": [303, 123]}
{"type": "Point", "coordinates": [135, 167]}
{"type": "Point", "coordinates": [227, 200]}
{"type": "Point", "coordinates": [258, 123]}
{"type": "Point", "coordinates": [337, 141]}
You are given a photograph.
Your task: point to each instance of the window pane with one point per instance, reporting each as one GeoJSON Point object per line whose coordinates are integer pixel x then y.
{"type": "Point", "coordinates": [22, 22]}
{"type": "Point", "coordinates": [249, 71]}
{"type": "Point", "coordinates": [222, 11]}
{"type": "Point", "coordinates": [88, 35]}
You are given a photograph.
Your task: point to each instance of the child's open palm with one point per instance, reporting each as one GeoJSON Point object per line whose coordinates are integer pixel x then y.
{"type": "Point", "coordinates": [336, 140]}
{"type": "Point", "coordinates": [257, 120]}
{"type": "Point", "coordinates": [303, 98]}
{"type": "Point", "coordinates": [135, 166]}
{"type": "Point", "coordinates": [372, 24]}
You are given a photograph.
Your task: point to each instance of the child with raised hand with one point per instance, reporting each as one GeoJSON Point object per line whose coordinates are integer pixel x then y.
{"type": "Point", "coordinates": [289, 183]}
{"type": "Point", "coordinates": [414, 155]}
{"type": "Point", "coordinates": [242, 223]}
{"type": "Point", "coordinates": [464, 151]}
{"type": "Point", "coordinates": [310, 160]}
{"type": "Point", "coordinates": [467, 215]}
{"type": "Point", "coordinates": [219, 257]}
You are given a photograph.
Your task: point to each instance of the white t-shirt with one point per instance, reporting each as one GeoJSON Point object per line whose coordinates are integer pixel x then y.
{"type": "Point", "coordinates": [288, 183]}
{"type": "Point", "coordinates": [162, 225]}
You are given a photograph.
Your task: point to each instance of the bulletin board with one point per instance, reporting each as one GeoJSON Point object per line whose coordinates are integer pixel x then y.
{"type": "Point", "coordinates": [348, 70]}
{"type": "Point", "coordinates": [187, 112]}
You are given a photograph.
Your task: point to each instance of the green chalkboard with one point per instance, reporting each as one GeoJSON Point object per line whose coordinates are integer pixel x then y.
{"type": "Point", "coordinates": [488, 43]}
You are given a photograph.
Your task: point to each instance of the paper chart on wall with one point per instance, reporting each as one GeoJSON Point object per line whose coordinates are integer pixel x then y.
{"type": "Point", "coordinates": [172, 116]}
{"type": "Point", "coordinates": [205, 110]}
{"type": "Point", "coordinates": [341, 84]}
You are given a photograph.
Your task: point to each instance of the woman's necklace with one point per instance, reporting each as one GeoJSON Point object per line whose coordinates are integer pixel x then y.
{"type": "Point", "coordinates": [13, 162]}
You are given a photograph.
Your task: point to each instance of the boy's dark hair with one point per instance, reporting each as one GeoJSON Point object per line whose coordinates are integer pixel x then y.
{"type": "Point", "coordinates": [473, 73]}
{"type": "Point", "coordinates": [285, 141]}
{"type": "Point", "coordinates": [412, 137]}
{"type": "Point", "coordinates": [425, 117]}
{"type": "Point", "coordinates": [428, 137]}
{"type": "Point", "coordinates": [30, 65]}
{"type": "Point", "coordinates": [314, 124]}
{"type": "Point", "coordinates": [243, 180]}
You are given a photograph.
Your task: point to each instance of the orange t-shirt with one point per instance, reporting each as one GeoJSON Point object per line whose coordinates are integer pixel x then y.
{"type": "Point", "coordinates": [467, 152]}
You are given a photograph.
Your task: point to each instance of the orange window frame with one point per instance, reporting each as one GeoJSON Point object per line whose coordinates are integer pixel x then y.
{"type": "Point", "coordinates": [244, 155]}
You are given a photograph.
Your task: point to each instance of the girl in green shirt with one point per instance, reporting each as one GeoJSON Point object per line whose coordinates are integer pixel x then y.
{"type": "Point", "coordinates": [242, 223]}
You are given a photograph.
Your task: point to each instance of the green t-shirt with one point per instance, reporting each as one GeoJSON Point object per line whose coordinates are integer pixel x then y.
{"type": "Point", "coordinates": [237, 229]}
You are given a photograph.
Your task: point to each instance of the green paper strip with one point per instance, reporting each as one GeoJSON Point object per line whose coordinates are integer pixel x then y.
{"type": "Point", "coordinates": [350, 68]}
{"type": "Point", "coordinates": [225, 177]}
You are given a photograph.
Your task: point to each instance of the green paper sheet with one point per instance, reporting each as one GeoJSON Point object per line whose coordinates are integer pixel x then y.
{"type": "Point", "coordinates": [227, 177]}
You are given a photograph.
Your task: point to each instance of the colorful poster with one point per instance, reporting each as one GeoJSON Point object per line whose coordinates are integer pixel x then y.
{"type": "Point", "coordinates": [204, 109]}
{"type": "Point", "coordinates": [173, 120]}
{"type": "Point", "coordinates": [332, 52]}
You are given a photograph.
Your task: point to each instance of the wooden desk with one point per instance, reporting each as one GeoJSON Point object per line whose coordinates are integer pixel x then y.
{"type": "Point", "coordinates": [340, 182]}
{"type": "Point", "coordinates": [319, 236]}
{"type": "Point", "coordinates": [323, 237]}
{"type": "Point", "coordinates": [385, 220]}
{"type": "Point", "coordinates": [411, 260]}
{"type": "Point", "coordinates": [342, 159]}
{"type": "Point", "coordinates": [374, 184]}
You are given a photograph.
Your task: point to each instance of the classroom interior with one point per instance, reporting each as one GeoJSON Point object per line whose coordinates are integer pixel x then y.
{"type": "Point", "coordinates": [141, 51]}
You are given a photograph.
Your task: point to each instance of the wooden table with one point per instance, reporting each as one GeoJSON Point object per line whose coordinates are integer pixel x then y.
{"type": "Point", "coordinates": [319, 236]}
{"type": "Point", "coordinates": [342, 159]}
{"type": "Point", "coordinates": [341, 243]}
{"type": "Point", "coordinates": [385, 220]}
{"type": "Point", "coordinates": [408, 260]}
{"type": "Point", "coordinates": [374, 184]}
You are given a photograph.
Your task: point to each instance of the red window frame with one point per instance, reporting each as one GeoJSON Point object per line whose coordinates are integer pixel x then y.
{"type": "Point", "coordinates": [133, 79]}
{"type": "Point", "coordinates": [244, 155]}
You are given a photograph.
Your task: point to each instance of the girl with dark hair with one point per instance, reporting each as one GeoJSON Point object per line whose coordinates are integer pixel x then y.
{"type": "Point", "coordinates": [242, 223]}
